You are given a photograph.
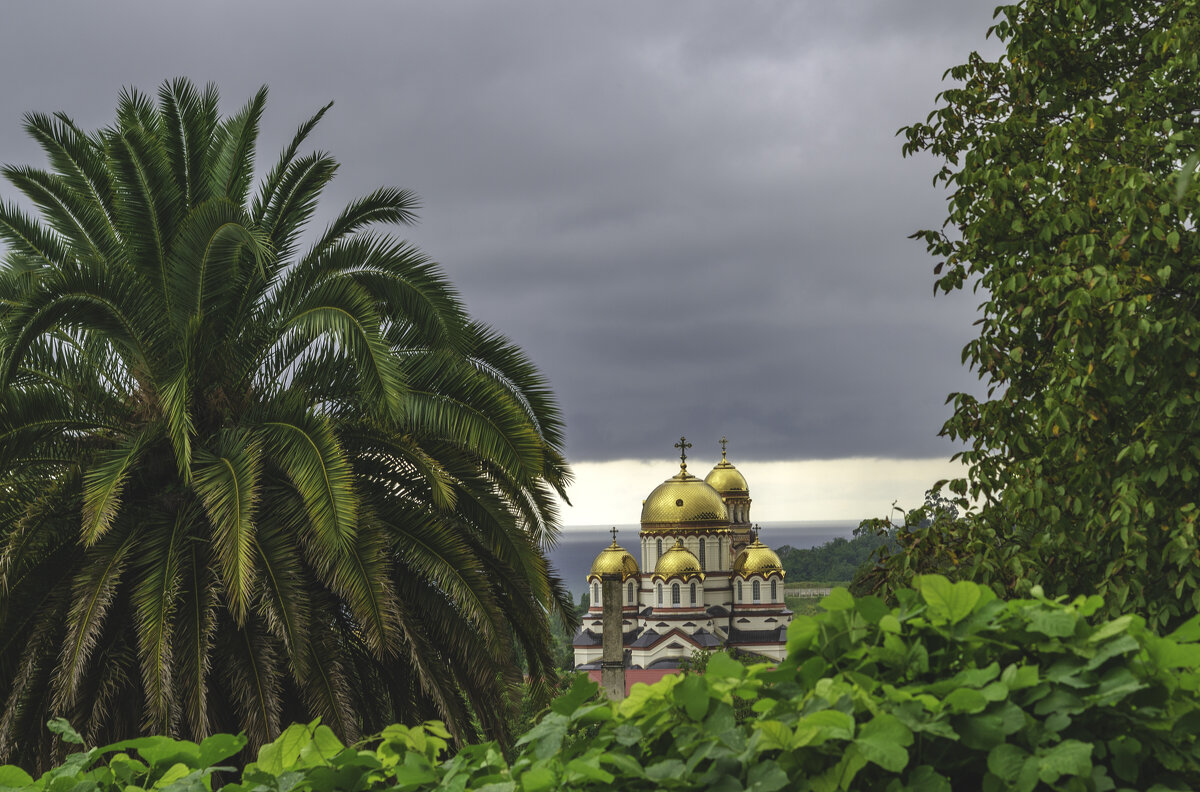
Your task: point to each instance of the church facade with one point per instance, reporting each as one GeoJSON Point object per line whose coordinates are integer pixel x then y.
{"type": "Point", "coordinates": [701, 579]}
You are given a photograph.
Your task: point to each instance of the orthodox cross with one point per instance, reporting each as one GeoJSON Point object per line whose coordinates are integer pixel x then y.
{"type": "Point", "coordinates": [614, 533]}
{"type": "Point", "coordinates": [756, 529]}
{"type": "Point", "coordinates": [683, 445]}
{"type": "Point", "coordinates": [723, 442]}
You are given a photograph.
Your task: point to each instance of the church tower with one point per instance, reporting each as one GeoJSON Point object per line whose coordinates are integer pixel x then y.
{"type": "Point", "coordinates": [735, 492]}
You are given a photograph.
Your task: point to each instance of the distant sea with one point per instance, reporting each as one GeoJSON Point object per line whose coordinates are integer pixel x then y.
{"type": "Point", "coordinates": [578, 545]}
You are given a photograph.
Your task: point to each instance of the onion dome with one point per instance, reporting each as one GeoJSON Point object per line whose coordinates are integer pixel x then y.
{"type": "Point", "coordinates": [725, 478]}
{"type": "Point", "coordinates": [757, 559]}
{"type": "Point", "coordinates": [677, 562]}
{"type": "Point", "coordinates": [616, 560]}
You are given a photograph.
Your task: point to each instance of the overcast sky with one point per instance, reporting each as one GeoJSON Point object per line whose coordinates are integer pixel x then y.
{"type": "Point", "coordinates": [692, 215]}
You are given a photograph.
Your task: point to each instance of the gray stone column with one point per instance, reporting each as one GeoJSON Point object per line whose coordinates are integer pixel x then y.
{"type": "Point", "coordinates": [612, 658]}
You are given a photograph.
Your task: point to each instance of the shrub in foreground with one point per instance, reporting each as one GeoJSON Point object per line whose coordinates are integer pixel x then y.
{"type": "Point", "coordinates": [953, 689]}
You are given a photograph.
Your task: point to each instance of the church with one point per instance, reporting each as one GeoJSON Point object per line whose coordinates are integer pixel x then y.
{"type": "Point", "coordinates": [704, 580]}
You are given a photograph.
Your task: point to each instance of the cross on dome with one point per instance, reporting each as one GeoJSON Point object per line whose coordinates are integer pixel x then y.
{"type": "Point", "coordinates": [683, 445]}
{"type": "Point", "coordinates": [723, 442]}
{"type": "Point", "coordinates": [614, 533]}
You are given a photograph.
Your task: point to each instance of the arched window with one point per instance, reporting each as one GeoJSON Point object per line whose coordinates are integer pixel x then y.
{"type": "Point", "coordinates": [703, 564]}
{"type": "Point", "coordinates": [660, 593]}
{"type": "Point", "coordinates": [595, 593]}
{"type": "Point", "coordinates": [694, 591]}
{"type": "Point", "coordinates": [756, 591]}
{"type": "Point", "coordinates": [739, 591]}
{"type": "Point", "coordinates": [657, 549]}
{"type": "Point", "coordinates": [674, 593]}
{"type": "Point", "coordinates": [774, 591]}
{"type": "Point", "coordinates": [631, 592]}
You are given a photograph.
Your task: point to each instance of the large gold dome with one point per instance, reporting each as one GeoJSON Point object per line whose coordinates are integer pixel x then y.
{"type": "Point", "coordinates": [677, 562]}
{"type": "Point", "coordinates": [684, 499]}
{"type": "Point", "coordinates": [757, 559]}
{"type": "Point", "coordinates": [616, 560]}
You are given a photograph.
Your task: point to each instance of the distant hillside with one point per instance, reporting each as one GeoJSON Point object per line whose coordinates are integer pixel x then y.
{"type": "Point", "coordinates": [836, 560]}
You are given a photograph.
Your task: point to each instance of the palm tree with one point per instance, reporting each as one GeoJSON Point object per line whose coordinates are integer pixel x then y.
{"type": "Point", "coordinates": [243, 483]}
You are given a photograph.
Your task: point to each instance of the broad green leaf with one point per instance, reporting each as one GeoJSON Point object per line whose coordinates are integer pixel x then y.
{"type": "Point", "coordinates": [13, 776]}
{"type": "Point", "coordinates": [884, 740]}
{"type": "Point", "coordinates": [801, 633]}
{"type": "Point", "coordinates": [837, 599]}
{"type": "Point", "coordinates": [1054, 623]}
{"type": "Point", "coordinates": [951, 602]}
{"type": "Point", "coordinates": [692, 695]}
{"type": "Point", "coordinates": [1070, 757]}
{"type": "Point", "coordinates": [722, 666]}
{"type": "Point", "coordinates": [582, 690]}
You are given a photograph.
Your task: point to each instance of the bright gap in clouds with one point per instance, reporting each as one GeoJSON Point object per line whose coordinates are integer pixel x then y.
{"type": "Point", "coordinates": [857, 488]}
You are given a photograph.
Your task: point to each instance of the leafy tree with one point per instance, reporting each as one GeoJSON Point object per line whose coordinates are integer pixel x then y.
{"type": "Point", "coordinates": [1072, 211]}
{"type": "Point", "coordinates": [245, 481]}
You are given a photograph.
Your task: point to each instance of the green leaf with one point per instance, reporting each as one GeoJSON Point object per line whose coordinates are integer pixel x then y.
{"type": "Point", "coordinates": [801, 633]}
{"type": "Point", "coordinates": [1054, 623]}
{"type": "Point", "coordinates": [62, 727]}
{"type": "Point", "coordinates": [883, 740]}
{"type": "Point", "coordinates": [1070, 757]}
{"type": "Point", "coordinates": [838, 599]}
{"type": "Point", "coordinates": [217, 747]}
{"type": "Point", "coordinates": [966, 700]}
{"type": "Point", "coordinates": [665, 769]}
{"type": "Point", "coordinates": [722, 666]}
{"type": "Point", "coordinates": [537, 778]}
{"type": "Point", "coordinates": [692, 695]}
{"type": "Point", "coordinates": [951, 602]}
{"type": "Point", "coordinates": [582, 690]}
{"type": "Point", "coordinates": [1006, 761]}
{"type": "Point", "coordinates": [12, 776]}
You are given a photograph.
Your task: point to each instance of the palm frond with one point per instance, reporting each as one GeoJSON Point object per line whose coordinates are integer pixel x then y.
{"type": "Point", "coordinates": [155, 598]}
{"type": "Point", "coordinates": [103, 483]}
{"type": "Point", "coordinates": [227, 481]}
{"type": "Point", "coordinates": [93, 591]}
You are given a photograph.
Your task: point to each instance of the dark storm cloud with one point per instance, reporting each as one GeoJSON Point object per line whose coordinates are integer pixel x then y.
{"type": "Point", "coordinates": [691, 215]}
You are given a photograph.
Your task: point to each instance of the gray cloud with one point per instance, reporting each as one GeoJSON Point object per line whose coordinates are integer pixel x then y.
{"type": "Point", "coordinates": [692, 215]}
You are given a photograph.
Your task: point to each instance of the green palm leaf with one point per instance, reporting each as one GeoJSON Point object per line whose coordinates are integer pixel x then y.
{"type": "Point", "coordinates": [93, 591]}
{"type": "Point", "coordinates": [103, 484]}
{"type": "Point", "coordinates": [227, 482]}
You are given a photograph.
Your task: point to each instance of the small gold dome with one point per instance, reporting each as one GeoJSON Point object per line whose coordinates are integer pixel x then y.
{"type": "Point", "coordinates": [677, 562]}
{"type": "Point", "coordinates": [684, 499]}
{"type": "Point", "coordinates": [616, 560]}
{"type": "Point", "coordinates": [725, 478]}
{"type": "Point", "coordinates": [757, 559]}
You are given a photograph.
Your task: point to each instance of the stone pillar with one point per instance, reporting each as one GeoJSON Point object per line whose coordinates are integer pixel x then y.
{"type": "Point", "coordinates": [612, 658]}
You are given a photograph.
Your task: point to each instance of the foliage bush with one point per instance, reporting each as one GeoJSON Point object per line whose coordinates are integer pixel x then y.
{"type": "Point", "coordinates": [1072, 209]}
{"type": "Point", "coordinates": [953, 689]}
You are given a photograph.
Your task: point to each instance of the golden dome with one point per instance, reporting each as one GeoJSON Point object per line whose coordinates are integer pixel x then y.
{"type": "Point", "coordinates": [684, 499]}
{"type": "Point", "coordinates": [757, 559]}
{"type": "Point", "coordinates": [616, 560]}
{"type": "Point", "coordinates": [725, 478]}
{"type": "Point", "coordinates": [677, 562]}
